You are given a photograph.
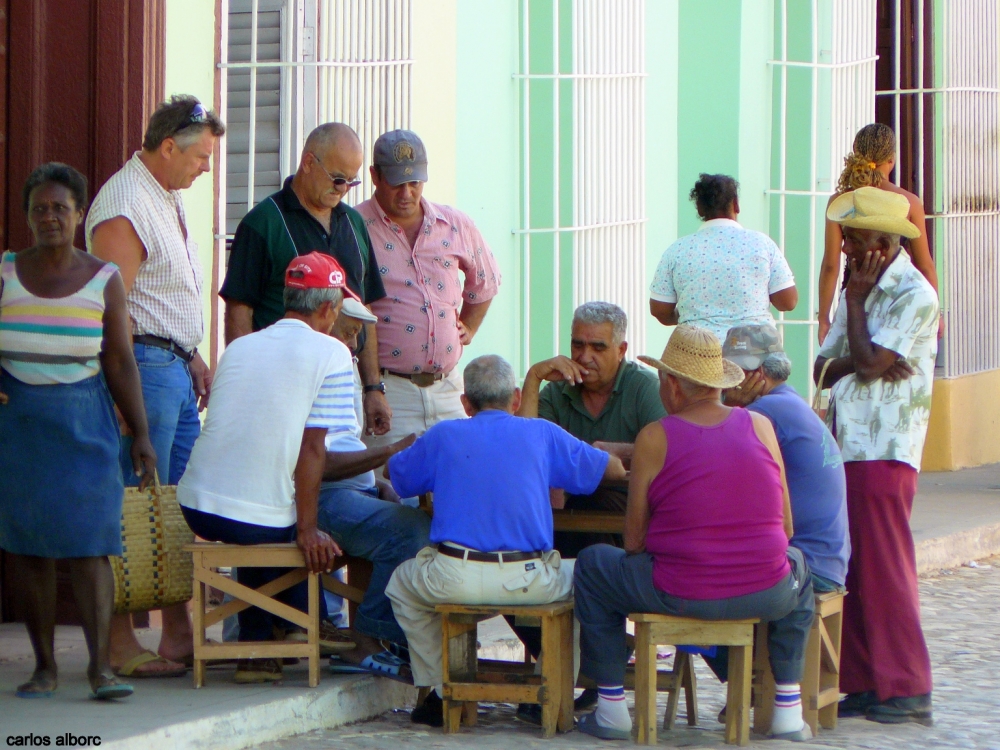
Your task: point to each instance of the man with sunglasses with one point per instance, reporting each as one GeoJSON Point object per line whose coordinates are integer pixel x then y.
{"type": "Point", "coordinates": [137, 221]}
{"type": "Point", "coordinates": [431, 312]}
{"type": "Point", "coordinates": [308, 214]}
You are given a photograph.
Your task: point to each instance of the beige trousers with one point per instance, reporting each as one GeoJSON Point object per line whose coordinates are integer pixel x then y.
{"type": "Point", "coordinates": [418, 585]}
{"type": "Point", "coordinates": [416, 409]}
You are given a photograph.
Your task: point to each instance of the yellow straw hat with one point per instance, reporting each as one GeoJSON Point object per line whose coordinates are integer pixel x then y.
{"type": "Point", "coordinates": [873, 208]}
{"type": "Point", "coordinates": [695, 354]}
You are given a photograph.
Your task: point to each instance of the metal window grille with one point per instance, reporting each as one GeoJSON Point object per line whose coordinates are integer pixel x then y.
{"type": "Point", "coordinates": [841, 97]}
{"type": "Point", "coordinates": [288, 65]}
{"type": "Point", "coordinates": [605, 84]}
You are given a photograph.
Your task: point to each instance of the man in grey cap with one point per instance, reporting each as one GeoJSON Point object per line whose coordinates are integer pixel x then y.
{"type": "Point", "coordinates": [429, 312]}
{"type": "Point", "coordinates": [813, 464]}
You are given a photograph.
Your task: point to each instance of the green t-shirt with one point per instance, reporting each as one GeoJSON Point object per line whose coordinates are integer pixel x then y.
{"type": "Point", "coordinates": [634, 403]}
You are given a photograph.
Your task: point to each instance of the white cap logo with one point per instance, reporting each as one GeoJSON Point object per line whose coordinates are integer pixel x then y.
{"type": "Point", "coordinates": [336, 278]}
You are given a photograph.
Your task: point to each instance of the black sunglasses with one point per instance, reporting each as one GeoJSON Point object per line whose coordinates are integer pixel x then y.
{"type": "Point", "coordinates": [341, 183]}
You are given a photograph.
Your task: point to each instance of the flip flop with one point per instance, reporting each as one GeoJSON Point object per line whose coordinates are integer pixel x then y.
{"type": "Point", "coordinates": [389, 665]}
{"type": "Point", "coordinates": [130, 668]}
{"type": "Point", "coordinates": [339, 667]}
{"type": "Point", "coordinates": [30, 694]}
{"type": "Point", "coordinates": [112, 691]}
{"type": "Point", "coordinates": [588, 725]}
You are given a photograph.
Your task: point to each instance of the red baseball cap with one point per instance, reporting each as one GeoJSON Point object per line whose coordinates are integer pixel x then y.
{"type": "Point", "coordinates": [317, 270]}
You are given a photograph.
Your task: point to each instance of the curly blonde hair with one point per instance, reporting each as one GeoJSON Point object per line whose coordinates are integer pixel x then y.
{"type": "Point", "coordinates": [873, 145]}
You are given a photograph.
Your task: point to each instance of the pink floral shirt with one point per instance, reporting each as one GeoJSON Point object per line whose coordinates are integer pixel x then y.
{"type": "Point", "coordinates": [418, 317]}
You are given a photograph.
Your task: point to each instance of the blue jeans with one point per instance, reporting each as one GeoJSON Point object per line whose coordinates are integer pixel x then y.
{"type": "Point", "coordinates": [172, 412]}
{"type": "Point", "coordinates": [255, 623]}
{"type": "Point", "coordinates": [384, 533]}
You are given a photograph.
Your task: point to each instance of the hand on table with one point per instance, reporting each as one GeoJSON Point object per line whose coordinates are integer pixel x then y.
{"type": "Point", "coordinates": [622, 450]}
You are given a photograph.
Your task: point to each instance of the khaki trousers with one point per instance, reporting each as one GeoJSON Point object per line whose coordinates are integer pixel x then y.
{"type": "Point", "coordinates": [418, 585]}
{"type": "Point", "coordinates": [416, 409]}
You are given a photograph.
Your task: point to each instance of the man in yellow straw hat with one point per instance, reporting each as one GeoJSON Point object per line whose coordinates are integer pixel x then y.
{"type": "Point", "coordinates": [706, 535]}
{"type": "Point", "coordinates": [879, 359]}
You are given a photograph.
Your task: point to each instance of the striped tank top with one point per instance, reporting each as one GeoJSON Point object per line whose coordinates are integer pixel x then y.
{"type": "Point", "coordinates": [47, 341]}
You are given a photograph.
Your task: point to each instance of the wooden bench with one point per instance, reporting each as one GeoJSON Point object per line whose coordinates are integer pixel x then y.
{"type": "Point", "coordinates": [821, 679]}
{"type": "Point", "coordinates": [653, 629]}
{"type": "Point", "coordinates": [210, 555]}
{"type": "Point", "coordinates": [468, 681]}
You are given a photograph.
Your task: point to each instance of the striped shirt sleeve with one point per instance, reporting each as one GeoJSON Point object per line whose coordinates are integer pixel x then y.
{"type": "Point", "coordinates": [333, 408]}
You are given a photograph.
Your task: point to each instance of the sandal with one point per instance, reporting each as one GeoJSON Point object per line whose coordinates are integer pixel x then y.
{"type": "Point", "coordinates": [385, 664]}
{"type": "Point", "coordinates": [131, 667]}
{"type": "Point", "coordinates": [112, 689]}
{"type": "Point", "coordinates": [588, 725]}
{"type": "Point", "coordinates": [24, 691]}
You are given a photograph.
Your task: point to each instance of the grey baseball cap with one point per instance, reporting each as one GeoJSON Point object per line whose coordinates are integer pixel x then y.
{"type": "Point", "coordinates": [354, 309]}
{"type": "Point", "coordinates": [748, 346]}
{"type": "Point", "coordinates": [401, 157]}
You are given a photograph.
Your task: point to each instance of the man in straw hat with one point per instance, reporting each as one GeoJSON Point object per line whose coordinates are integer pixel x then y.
{"type": "Point", "coordinates": [879, 359]}
{"type": "Point", "coordinates": [706, 536]}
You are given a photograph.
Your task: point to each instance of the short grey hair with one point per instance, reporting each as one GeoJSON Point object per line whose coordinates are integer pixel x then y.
{"type": "Point", "coordinates": [489, 382]}
{"type": "Point", "coordinates": [777, 366]}
{"type": "Point", "coordinates": [308, 301]}
{"type": "Point", "coordinates": [599, 313]}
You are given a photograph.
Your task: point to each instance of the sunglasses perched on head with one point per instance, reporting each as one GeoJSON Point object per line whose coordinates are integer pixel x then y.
{"type": "Point", "coordinates": [198, 115]}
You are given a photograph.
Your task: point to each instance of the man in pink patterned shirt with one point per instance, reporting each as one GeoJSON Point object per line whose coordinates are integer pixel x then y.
{"type": "Point", "coordinates": [429, 312]}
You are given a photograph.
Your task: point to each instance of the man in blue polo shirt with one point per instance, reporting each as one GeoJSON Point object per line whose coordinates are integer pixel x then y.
{"type": "Point", "coordinates": [492, 523]}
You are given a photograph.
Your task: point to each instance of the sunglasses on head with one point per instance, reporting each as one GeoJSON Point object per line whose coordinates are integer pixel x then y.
{"type": "Point", "coordinates": [198, 115]}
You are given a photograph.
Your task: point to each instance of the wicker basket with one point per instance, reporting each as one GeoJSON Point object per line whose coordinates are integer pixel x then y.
{"type": "Point", "coordinates": [153, 571]}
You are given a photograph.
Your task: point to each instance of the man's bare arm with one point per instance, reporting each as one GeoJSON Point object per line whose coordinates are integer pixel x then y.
{"type": "Point", "coordinates": [647, 461]}
{"type": "Point", "coordinates": [115, 240]}
{"type": "Point", "coordinates": [665, 312]}
{"type": "Point", "coordinates": [764, 430]}
{"type": "Point", "coordinates": [346, 464]}
{"type": "Point", "coordinates": [378, 413]}
{"type": "Point", "coordinates": [239, 320]}
{"type": "Point", "coordinates": [470, 318]}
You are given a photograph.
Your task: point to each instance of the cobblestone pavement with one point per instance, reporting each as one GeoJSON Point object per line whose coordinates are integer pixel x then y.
{"type": "Point", "coordinates": [963, 633]}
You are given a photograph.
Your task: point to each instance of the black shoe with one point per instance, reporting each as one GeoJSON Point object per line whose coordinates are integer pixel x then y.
{"type": "Point", "coordinates": [529, 713]}
{"type": "Point", "coordinates": [586, 701]}
{"type": "Point", "coordinates": [856, 704]}
{"type": "Point", "coordinates": [430, 712]}
{"type": "Point", "coordinates": [902, 710]}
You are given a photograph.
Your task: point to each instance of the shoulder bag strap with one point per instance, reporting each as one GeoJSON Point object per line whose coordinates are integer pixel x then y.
{"type": "Point", "coordinates": [818, 396]}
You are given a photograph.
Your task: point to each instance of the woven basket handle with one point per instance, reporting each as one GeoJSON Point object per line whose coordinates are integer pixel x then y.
{"type": "Point", "coordinates": [817, 404]}
{"type": "Point", "coordinates": [157, 488]}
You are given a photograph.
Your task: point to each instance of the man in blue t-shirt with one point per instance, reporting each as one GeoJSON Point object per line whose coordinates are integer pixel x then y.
{"type": "Point", "coordinates": [492, 523]}
{"type": "Point", "coordinates": [813, 464]}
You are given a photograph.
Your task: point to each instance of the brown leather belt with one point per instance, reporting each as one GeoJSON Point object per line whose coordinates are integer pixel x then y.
{"type": "Point", "coordinates": [475, 556]}
{"type": "Point", "coordinates": [162, 343]}
{"type": "Point", "coordinates": [419, 379]}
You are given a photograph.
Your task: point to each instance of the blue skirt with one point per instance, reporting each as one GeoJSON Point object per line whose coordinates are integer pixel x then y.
{"type": "Point", "coordinates": [61, 484]}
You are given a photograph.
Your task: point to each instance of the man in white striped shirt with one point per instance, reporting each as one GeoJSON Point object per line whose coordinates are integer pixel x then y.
{"type": "Point", "coordinates": [137, 221]}
{"type": "Point", "coordinates": [255, 471]}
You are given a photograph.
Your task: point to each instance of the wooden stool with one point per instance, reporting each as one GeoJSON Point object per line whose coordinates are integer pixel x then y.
{"type": "Point", "coordinates": [821, 679]}
{"type": "Point", "coordinates": [651, 630]}
{"type": "Point", "coordinates": [468, 681]}
{"type": "Point", "coordinates": [209, 555]}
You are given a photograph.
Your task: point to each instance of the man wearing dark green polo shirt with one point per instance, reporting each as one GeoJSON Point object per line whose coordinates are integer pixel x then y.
{"type": "Point", "coordinates": [308, 214]}
{"type": "Point", "coordinates": [598, 397]}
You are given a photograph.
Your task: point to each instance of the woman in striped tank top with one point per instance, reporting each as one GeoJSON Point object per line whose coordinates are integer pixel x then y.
{"type": "Point", "coordinates": [64, 344]}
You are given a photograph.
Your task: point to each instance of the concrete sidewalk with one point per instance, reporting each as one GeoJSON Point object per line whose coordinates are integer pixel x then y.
{"type": "Point", "coordinates": [956, 519]}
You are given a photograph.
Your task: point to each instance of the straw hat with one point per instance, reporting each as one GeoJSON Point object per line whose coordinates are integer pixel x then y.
{"type": "Point", "coordinates": [873, 208]}
{"type": "Point", "coordinates": [695, 354]}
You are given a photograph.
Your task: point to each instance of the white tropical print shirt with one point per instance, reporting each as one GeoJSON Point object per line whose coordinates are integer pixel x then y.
{"type": "Point", "coordinates": [882, 421]}
{"type": "Point", "coordinates": [722, 276]}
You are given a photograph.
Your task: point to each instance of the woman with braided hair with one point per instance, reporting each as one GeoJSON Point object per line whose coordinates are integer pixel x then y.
{"type": "Point", "coordinates": [869, 165]}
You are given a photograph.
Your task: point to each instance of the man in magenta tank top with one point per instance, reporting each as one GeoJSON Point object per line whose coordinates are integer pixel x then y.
{"type": "Point", "coordinates": [706, 536]}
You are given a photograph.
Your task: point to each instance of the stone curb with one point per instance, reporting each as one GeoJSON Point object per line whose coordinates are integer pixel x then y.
{"type": "Point", "coordinates": [323, 707]}
{"type": "Point", "coordinates": [956, 549]}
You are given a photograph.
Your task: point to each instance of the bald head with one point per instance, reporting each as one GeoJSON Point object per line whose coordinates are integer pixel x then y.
{"type": "Point", "coordinates": [333, 136]}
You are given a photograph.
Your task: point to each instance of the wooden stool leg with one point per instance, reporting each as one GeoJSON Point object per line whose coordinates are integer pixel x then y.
{"type": "Point", "coordinates": [551, 675]}
{"type": "Point", "coordinates": [738, 703]}
{"type": "Point", "coordinates": [681, 661]}
{"type": "Point", "coordinates": [566, 647]}
{"type": "Point", "coordinates": [645, 685]}
{"type": "Point", "coordinates": [313, 630]}
{"type": "Point", "coordinates": [470, 713]}
{"type": "Point", "coordinates": [763, 698]}
{"type": "Point", "coordinates": [810, 676]}
{"type": "Point", "coordinates": [830, 672]}
{"type": "Point", "coordinates": [198, 617]}
{"type": "Point", "coordinates": [690, 684]}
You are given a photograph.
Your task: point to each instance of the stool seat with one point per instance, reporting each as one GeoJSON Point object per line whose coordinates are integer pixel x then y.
{"type": "Point", "coordinates": [653, 629]}
{"type": "Point", "coordinates": [210, 555]}
{"type": "Point", "coordinates": [467, 680]}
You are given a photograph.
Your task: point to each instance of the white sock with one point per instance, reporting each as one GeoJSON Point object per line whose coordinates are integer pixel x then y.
{"type": "Point", "coordinates": [612, 713]}
{"type": "Point", "coordinates": [787, 709]}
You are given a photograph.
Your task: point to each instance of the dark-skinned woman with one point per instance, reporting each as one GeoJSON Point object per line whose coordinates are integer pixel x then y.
{"type": "Point", "coordinates": [65, 354]}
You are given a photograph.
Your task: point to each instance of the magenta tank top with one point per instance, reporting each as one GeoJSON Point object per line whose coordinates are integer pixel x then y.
{"type": "Point", "coordinates": [715, 527]}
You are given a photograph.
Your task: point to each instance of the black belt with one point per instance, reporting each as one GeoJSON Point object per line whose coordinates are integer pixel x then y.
{"type": "Point", "coordinates": [419, 379]}
{"type": "Point", "coordinates": [460, 553]}
{"type": "Point", "coordinates": [162, 343]}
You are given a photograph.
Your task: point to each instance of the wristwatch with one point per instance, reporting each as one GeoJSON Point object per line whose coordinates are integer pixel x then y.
{"type": "Point", "coordinates": [380, 387]}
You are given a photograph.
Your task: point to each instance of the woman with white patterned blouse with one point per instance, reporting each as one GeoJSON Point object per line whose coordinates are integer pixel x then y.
{"type": "Point", "coordinates": [723, 275]}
